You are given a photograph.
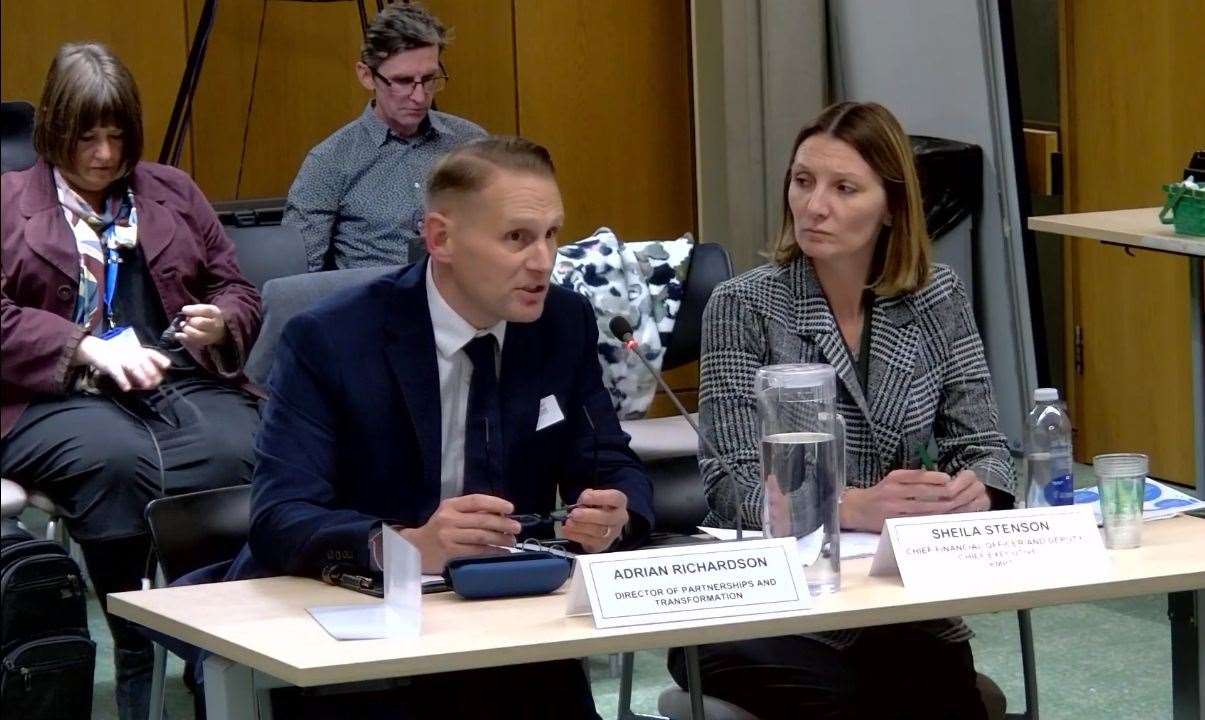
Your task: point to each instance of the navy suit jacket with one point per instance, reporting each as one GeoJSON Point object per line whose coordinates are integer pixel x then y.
{"type": "Point", "coordinates": [351, 430]}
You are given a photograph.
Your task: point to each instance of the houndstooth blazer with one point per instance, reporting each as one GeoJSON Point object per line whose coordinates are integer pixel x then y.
{"type": "Point", "coordinates": [928, 379]}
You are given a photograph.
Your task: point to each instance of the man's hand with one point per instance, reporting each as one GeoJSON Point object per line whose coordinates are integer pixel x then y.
{"type": "Point", "coordinates": [912, 492]}
{"type": "Point", "coordinates": [465, 525]}
{"type": "Point", "coordinates": [598, 519]}
{"type": "Point", "coordinates": [131, 366]}
{"type": "Point", "coordinates": [204, 326]}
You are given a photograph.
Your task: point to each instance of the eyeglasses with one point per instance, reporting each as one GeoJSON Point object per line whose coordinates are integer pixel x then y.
{"type": "Point", "coordinates": [561, 514]}
{"type": "Point", "coordinates": [556, 546]}
{"type": "Point", "coordinates": [407, 85]}
{"type": "Point", "coordinates": [530, 520]}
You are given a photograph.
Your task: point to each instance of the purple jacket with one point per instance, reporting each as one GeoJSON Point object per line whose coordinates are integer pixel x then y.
{"type": "Point", "coordinates": [189, 256]}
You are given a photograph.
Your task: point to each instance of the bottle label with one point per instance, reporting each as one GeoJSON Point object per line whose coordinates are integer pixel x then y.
{"type": "Point", "coordinates": [1060, 490]}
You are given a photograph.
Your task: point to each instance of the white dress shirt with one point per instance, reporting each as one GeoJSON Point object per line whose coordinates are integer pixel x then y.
{"type": "Point", "coordinates": [452, 333]}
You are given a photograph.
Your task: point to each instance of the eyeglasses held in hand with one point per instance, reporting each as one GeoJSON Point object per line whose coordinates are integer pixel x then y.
{"type": "Point", "coordinates": [405, 86]}
{"type": "Point", "coordinates": [529, 520]}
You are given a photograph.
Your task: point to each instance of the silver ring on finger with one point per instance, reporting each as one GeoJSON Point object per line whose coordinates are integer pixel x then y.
{"type": "Point", "coordinates": [607, 532]}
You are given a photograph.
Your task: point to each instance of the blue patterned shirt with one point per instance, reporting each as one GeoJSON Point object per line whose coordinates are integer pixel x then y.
{"type": "Point", "coordinates": [358, 199]}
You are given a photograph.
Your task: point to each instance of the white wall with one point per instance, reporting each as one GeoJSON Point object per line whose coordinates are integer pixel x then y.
{"type": "Point", "coordinates": [759, 76]}
{"type": "Point", "coordinates": [937, 65]}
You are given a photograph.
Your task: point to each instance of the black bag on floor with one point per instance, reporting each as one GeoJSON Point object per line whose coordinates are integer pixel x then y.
{"type": "Point", "coordinates": [47, 658]}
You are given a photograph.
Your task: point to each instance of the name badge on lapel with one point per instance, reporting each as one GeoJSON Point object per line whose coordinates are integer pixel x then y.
{"type": "Point", "coordinates": [550, 413]}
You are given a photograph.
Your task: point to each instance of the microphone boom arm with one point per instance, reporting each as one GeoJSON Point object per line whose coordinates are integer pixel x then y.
{"type": "Point", "coordinates": [632, 345]}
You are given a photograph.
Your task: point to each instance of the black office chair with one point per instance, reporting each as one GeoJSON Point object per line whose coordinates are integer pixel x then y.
{"type": "Point", "coordinates": [678, 502]}
{"type": "Point", "coordinates": [710, 265]}
{"type": "Point", "coordinates": [16, 136]}
{"type": "Point", "coordinates": [267, 252]}
{"type": "Point", "coordinates": [198, 529]}
{"type": "Point", "coordinates": [190, 532]}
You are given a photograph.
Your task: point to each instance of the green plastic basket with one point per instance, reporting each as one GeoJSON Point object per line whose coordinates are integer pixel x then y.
{"type": "Point", "coordinates": [1184, 207]}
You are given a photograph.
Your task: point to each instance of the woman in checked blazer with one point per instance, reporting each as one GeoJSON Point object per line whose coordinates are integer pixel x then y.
{"type": "Point", "coordinates": [851, 284]}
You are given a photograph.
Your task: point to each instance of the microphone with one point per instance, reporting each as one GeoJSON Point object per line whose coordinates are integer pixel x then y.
{"type": "Point", "coordinates": [338, 574]}
{"type": "Point", "coordinates": [622, 330]}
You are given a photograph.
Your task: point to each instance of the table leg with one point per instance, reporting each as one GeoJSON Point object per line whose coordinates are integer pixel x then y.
{"type": "Point", "coordinates": [694, 683]}
{"type": "Point", "coordinates": [229, 690]}
{"type": "Point", "coordinates": [1188, 646]}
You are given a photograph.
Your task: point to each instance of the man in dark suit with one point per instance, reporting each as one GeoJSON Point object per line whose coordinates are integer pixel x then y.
{"type": "Point", "coordinates": [440, 399]}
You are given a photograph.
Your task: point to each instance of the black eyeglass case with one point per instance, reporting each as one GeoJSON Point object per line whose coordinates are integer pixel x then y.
{"type": "Point", "coordinates": [513, 575]}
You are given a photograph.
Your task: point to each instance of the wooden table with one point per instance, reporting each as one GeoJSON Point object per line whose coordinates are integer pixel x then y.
{"type": "Point", "coordinates": [261, 626]}
{"type": "Point", "coordinates": [1140, 229]}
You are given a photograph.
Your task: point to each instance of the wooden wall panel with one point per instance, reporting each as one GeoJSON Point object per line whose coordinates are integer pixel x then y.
{"type": "Point", "coordinates": [606, 87]}
{"type": "Point", "coordinates": [480, 61]}
{"type": "Point", "coordinates": [154, 48]}
{"type": "Point", "coordinates": [222, 99]}
{"type": "Point", "coordinates": [305, 89]}
{"type": "Point", "coordinates": [1132, 110]}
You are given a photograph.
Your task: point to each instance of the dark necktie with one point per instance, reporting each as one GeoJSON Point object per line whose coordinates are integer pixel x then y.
{"type": "Point", "coordinates": [483, 421]}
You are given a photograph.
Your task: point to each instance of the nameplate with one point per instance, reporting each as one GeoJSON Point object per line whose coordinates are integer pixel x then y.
{"type": "Point", "coordinates": [1006, 549]}
{"type": "Point", "coordinates": [689, 582]}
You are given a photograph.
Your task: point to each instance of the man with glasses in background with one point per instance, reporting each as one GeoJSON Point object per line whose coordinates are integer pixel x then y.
{"type": "Point", "coordinates": [358, 199]}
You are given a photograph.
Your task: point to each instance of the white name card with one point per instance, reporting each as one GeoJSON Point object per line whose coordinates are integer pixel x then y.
{"type": "Point", "coordinates": [1042, 547]}
{"type": "Point", "coordinates": [689, 582]}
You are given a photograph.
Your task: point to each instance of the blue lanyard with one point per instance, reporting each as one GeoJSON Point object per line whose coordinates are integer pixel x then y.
{"type": "Point", "coordinates": [111, 266]}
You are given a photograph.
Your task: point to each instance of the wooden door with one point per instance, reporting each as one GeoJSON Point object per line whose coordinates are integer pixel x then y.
{"type": "Point", "coordinates": [1132, 109]}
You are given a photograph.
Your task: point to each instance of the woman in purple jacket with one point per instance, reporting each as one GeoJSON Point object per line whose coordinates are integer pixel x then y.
{"type": "Point", "coordinates": [124, 322]}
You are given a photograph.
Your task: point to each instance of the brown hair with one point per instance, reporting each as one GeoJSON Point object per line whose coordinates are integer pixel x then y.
{"type": "Point", "coordinates": [468, 168]}
{"type": "Point", "coordinates": [400, 27]}
{"type": "Point", "coordinates": [87, 86]}
{"type": "Point", "coordinates": [903, 255]}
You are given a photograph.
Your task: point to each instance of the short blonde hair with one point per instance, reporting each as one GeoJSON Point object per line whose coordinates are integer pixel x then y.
{"type": "Point", "coordinates": [902, 258]}
{"type": "Point", "coordinates": [469, 168]}
{"type": "Point", "coordinates": [87, 86]}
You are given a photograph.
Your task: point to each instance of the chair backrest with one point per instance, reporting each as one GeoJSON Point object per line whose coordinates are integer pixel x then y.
{"type": "Point", "coordinates": [284, 297]}
{"type": "Point", "coordinates": [199, 529]}
{"type": "Point", "coordinates": [16, 136]}
{"type": "Point", "coordinates": [267, 252]}
{"type": "Point", "coordinates": [678, 502]}
{"type": "Point", "coordinates": [710, 265]}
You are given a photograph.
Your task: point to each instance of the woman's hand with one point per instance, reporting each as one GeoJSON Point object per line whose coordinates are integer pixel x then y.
{"type": "Point", "coordinates": [968, 493]}
{"type": "Point", "coordinates": [131, 366]}
{"type": "Point", "coordinates": [912, 492]}
{"type": "Point", "coordinates": [204, 326]}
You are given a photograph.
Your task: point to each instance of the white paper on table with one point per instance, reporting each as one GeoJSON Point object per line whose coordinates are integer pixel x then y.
{"type": "Point", "coordinates": [858, 544]}
{"type": "Point", "coordinates": [352, 622]}
{"type": "Point", "coordinates": [853, 544]}
{"type": "Point", "coordinates": [398, 615]}
{"type": "Point", "coordinates": [1159, 501]}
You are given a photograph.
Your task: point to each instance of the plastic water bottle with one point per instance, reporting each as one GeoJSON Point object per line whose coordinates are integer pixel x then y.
{"type": "Point", "coordinates": [1048, 451]}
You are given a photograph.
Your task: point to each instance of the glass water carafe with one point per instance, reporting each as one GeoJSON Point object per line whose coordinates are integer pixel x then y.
{"type": "Point", "coordinates": [803, 465]}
